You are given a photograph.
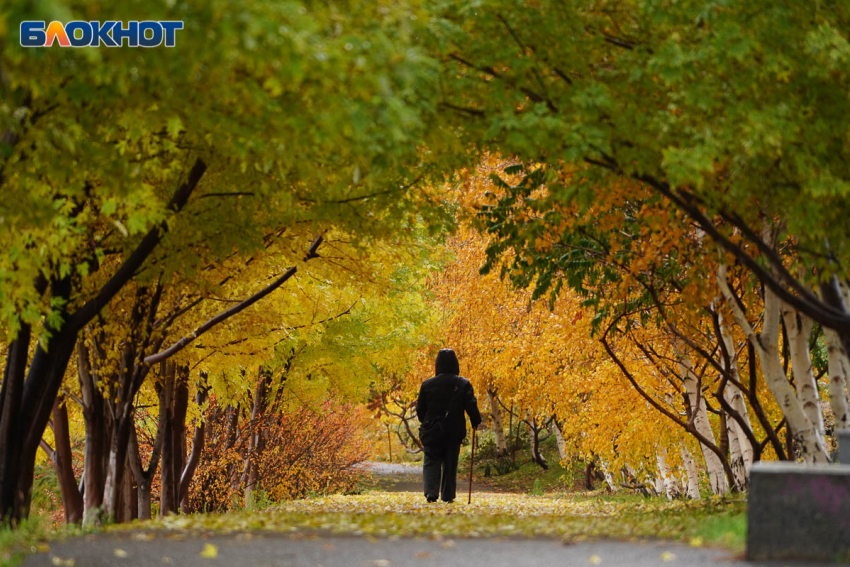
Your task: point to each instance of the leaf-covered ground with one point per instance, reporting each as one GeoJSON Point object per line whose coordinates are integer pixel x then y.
{"type": "Point", "coordinates": [567, 517]}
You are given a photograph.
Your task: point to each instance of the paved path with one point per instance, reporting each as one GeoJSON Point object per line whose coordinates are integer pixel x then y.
{"type": "Point", "coordinates": [399, 477]}
{"type": "Point", "coordinates": [335, 551]}
{"type": "Point", "coordinates": [199, 549]}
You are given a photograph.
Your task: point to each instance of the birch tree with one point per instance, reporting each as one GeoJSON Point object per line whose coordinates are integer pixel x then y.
{"type": "Point", "coordinates": [765, 344]}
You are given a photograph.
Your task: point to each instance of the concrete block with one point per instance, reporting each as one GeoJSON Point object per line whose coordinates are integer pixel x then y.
{"type": "Point", "coordinates": [843, 436]}
{"type": "Point", "coordinates": [799, 511]}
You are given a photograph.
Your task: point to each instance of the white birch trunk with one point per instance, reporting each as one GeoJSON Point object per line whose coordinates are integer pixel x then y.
{"type": "Point", "coordinates": [658, 484]}
{"type": "Point", "coordinates": [839, 373]}
{"type": "Point", "coordinates": [733, 395]}
{"type": "Point", "coordinates": [799, 329]}
{"type": "Point", "coordinates": [498, 423]}
{"type": "Point", "coordinates": [609, 478]}
{"type": "Point", "coordinates": [766, 345]}
{"type": "Point", "coordinates": [736, 457]}
{"type": "Point", "coordinates": [692, 473]}
{"type": "Point", "coordinates": [671, 489]}
{"type": "Point", "coordinates": [713, 464]}
{"type": "Point", "coordinates": [559, 438]}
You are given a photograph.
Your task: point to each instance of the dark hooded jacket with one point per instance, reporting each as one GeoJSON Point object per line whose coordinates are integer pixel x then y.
{"type": "Point", "coordinates": [438, 392]}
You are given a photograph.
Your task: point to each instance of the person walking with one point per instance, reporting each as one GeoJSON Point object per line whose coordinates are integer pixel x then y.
{"type": "Point", "coordinates": [440, 407]}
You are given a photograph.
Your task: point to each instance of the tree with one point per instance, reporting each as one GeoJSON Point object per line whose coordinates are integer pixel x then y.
{"type": "Point", "coordinates": [111, 150]}
{"type": "Point", "coordinates": [728, 118]}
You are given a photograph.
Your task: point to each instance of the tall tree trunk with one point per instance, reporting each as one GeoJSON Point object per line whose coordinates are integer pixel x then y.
{"type": "Point", "coordinates": [498, 423]}
{"type": "Point", "coordinates": [197, 449]}
{"type": "Point", "coordinates": [72, 500]}
{"type": "Point", "coordinates": [129, 496]}
{"type": "Point", "coordinates": [671, 488]}
{"type": "Point", "coordinates": [559, 439]}
{"type": "Point", "coordinates": [839, 374]}
{"type": "Point", "coordinates": [23, 426]}
{"type": "Point", "coordinates": [232, 417]}
{"type": "Point", "coordinates": [144, 476]}
{"type": "Point", "coordinates": [167, 497]}
{"type": "Point", "coordinates": [250, 476]}
{"type": "Point", "coordinates": [10, 406]}
{"type": "Point", "coordinates": [736, 457]}
{"type": "Point", "coordinates": [799, 329]}
{"type": "Point", "coordinates": [735, 398]}
{"type": "Point", "coordinates": [692, 475]}
{"type": "Point", "coordinates": [178, 432]}
{"type": "Point", "coordinates": [118, 444]}
{"type": "Point", "coordinates": [696, 401]}
{"type": "Point", "coordinates": [96, 421]}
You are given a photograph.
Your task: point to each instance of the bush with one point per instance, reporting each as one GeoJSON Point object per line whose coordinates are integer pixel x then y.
{"type": "Point", "coordinates": [303, 451]}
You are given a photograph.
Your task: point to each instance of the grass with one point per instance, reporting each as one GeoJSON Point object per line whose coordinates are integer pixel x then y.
{"type": "Point", "coordinates": [571, 518]}
{"type": "Point", "coordinates": [30, 536]}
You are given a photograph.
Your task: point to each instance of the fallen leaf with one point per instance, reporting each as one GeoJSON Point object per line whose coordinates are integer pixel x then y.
{"type": "Point", "coordinates": [210, 551]}
{"type": "Point", "coordinates": [667, 556]}
{"type": "Point", "coordinates": [60, 562]}
{"type": "Point", "coordinates": [381, 563]}
{"type": "Point", "coordinates": [120, 553]}
{"type": "Point", "coordinates": [697, 542]}
{"type": "Point", "coordinates": [595, 560]}
{"type": "Point", "coordinates": [448, 544]}
{"type": "Point", "coordinates": [42, 548]}
{"type": "Point", "coordinates": [423, 554]}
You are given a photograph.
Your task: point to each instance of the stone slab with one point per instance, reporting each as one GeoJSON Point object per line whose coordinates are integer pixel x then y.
{"type": "Point", "coordinates": [799, 511]}
{"type": "Point", "coordinates": [843, 436]}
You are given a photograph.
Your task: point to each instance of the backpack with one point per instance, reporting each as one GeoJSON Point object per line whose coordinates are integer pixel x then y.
{"type": "Point", "coordinates": [434, 432]}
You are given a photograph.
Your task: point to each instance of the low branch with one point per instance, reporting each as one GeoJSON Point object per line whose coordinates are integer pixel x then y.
{"type": "Point", "coordinates": [226, 314]}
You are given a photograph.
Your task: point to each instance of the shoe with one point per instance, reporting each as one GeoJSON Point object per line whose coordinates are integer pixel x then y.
{"type": "Point", "coordinates": [430, 498]}
{"type": "Point", "coordinates": [449, 501]}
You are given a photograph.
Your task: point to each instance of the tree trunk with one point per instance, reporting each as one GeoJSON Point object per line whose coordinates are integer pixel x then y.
{"type": "Point", "coordinates": [671, 488]}
{"type": "Point", "coordinates": [118, 444]}
{"type": "Point", "coordinates": [839, 374]}
{"type": "Point", "coordinates": [129, 497]}
{"type": "Point", "coordinates": [250, 476]}
{"type": "Point", "coordinates": [559, 439]}
{"type": "Point", "coordinates": [96, 422]}
{"type": "Point", "coordinates": [10, 429]}
{"type": "Point", "coordinates": [534, 445]}
{"type": "Point", "coordinates": [144, 477]}
{"type": "Point", "coordinates": [72, 500]}
{"type": "Point", "coordinates": [609, 478]}
{"type": "Point", "coordinates": [692, 474]}
{"type": "Point", "coordinates": [745, 452]}
{"type": "Point", "coordinates": [25, 416]}
{"type": "Point", "coordinates": [167, 497]}
{"type": "Point", "coordinates": [799, 329]}
{"type": "Point", "coordinates": [197, 449]}
{"type": "Point", "coordinates": [498, 424]}
{"type": "Point", "coordinates": [716, 471]}
{"type": "Point", "coordinates": [178, 432]}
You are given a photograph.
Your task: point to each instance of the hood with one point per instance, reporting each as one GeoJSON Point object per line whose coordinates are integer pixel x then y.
{"type": "Point", "coordinates": [447, 362]}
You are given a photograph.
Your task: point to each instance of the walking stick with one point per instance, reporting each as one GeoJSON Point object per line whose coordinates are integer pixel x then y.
{"type": "Point", "coordinates": [471, 463]}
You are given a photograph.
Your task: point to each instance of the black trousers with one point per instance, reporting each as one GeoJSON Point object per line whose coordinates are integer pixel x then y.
{"type": "Point", "coordinates": [440, 471]}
